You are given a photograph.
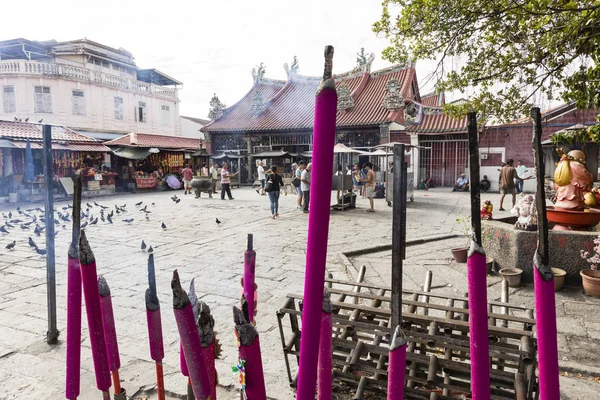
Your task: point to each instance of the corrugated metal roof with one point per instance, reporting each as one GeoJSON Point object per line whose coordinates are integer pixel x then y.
{"type": "Point", "coordinates": [88, 147]}
{"type": "Point", "coordinates": [158, 141]}
{"type": "Point", "coordinates": [290, 105]}
{"type": "Point", "coordinates": [26, 130]}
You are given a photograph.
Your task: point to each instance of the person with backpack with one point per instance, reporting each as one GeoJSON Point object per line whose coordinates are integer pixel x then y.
{"type": "Point", "coordinates": [273, 185]}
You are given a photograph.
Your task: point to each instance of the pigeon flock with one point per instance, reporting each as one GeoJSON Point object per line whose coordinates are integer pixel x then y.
{"type": "Point", "coordinates": [32, 221]}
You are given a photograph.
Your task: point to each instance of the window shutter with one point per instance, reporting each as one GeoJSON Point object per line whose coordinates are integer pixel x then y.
{"type": "Point", "coordinates": [136, 111]}
{"type": "Point", "coordinates": [8, 99]}
{"type": "Point", "coordinates": [39, 104]}
{"type": "Point", "coordinates": [144, 115]}
{"type": "Point", "coordinates": [78, 102]}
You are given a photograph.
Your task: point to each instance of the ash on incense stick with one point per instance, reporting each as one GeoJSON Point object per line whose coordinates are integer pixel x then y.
{"type": "Point", "coordinates": [398, 340]}
{"type": "Point", "coordinates": [327, 81]}
{"type": "Point", "coordinates": [86, 255]}
{"type": "Point", "coordinates": [73, 248]}
{"type": "Point", "coordinates": [193, 299]}
{"type": "Point", "coordinates": [152, 302]}
{"type": "Point", "coordinates": [180, 297]}
{"type": "Point", "coordinates": [103, 288]}
{"type": "Point", "coordinates": [206, 324]}
{"type": "Point", "coordinates": [245, 331]}
{"type": "Point", "coordinates": [327, 305]}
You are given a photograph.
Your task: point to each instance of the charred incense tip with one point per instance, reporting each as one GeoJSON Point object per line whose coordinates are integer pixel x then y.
{"type": "Point", "coordinates": [544, 269]}
{"type": "Point", "coordinates": [206, 324]}
{"type": "Point", "coordinates": [151, 275]}
{"type": "Point", "coordinates": [476, 248]}
{"type": "Point", "coordinates": [327, 306]}
{"type": "Point", "coordinates": [103, 288]}
{"type": "Point", "coordinates": [152, 303]}
{"type": "Point", "coordinates": [74, 249]}
{"type": "Point", "coordinates": [180, 297]}
{"type": "Point", "coordinates": [327, 81]}
{"type": "Point", "coordinates": [398, 340]}
{"type": "Point", "coordinates": [250, 241]}
{"type": "Point", "coordinates": [86, 256]}
{"type": "Point", "coordinates": [245, 331]}
{"type": "Point", "coordinates": [193, 298]}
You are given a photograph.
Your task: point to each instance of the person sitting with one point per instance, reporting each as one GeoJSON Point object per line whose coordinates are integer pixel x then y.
{"type": "Point", "coordinates": [462, 184]}
{"type": "Point", "coordinates": [426, 183]}
{"type": "Point", "coordinates": [485, 184]}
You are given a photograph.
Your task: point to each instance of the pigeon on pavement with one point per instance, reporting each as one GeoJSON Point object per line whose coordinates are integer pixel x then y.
{"type": "Point", "coordinates": [143, 245]}
{"type": "Point", "coordinates": [11, 246]}
{"type": "Point", "coordinates": [163, 226]}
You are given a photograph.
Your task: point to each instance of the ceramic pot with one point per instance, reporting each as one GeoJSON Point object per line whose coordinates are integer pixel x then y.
{"type": "Point", "coordinates": [591, 282]}
{"type": "Point", "coordinates": [489, 264]}
{"type": "Point", "coordinates": [512, 276]}
{"type": "Point", "coordinates": [460, 254]}
{"type": "Point", "coordinates": [559, 278]}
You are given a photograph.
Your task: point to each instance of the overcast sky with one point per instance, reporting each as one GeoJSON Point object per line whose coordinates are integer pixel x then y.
{"type": "Point", "coordinates": [210, 46]}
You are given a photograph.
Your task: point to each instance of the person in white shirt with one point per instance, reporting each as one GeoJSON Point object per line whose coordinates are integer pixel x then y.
{"type": "Point", "coordinates": [521, 172]}
{"type": "Point", "coordinates": [305, 185]}
{"type": "Point", "coordinates": [261, 178]}
{"type": "Point", "coordinates": [214, 175]}
{"type": "Point", "coordinates": [462, 184]}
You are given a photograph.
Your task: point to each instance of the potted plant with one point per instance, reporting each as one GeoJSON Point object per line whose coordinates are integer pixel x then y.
{"type": "Point", "coordinates": [591, 277]}
{"type": "Point", "coordinates": [464, 227]}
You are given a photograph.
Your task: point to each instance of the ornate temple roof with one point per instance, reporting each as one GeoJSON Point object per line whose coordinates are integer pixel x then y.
{"type": "Point", "coordinates": [432, 120]}
{"type": "Point", "coordinates": [364, 99]}
{"type": "Point", "coordinates": [433, 99]}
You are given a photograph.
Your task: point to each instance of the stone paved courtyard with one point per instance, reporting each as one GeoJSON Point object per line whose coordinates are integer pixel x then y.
{"type": "Point", "coordinates": [197, 247]}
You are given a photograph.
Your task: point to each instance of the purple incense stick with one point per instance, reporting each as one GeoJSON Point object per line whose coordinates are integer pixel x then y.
{"type": "Point", "coordinates": [108, 323]}
{"type": "Point", "coordinates": [190, 340]}
{"type": "Point", "coordinates": [249, 276]}
{"type": "Point", "coordinates": [94, 314]}
{"type": "Point", "coordinates": [324, 374]}
{"type": "Point", "coordinates": [249, 351]}
{"type": "Point", "coordinates": [73, 373]}
{"type": "Point", "coordinates": [318, 229]}
{"type": "Point", "coordinates": [397, 365]}
{"type": "Point", "coordinates": [206, 324]}
{"type": "Point", "coordinates": [155, 337]}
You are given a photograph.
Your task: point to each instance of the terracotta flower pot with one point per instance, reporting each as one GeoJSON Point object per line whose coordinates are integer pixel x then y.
{"type": "Point", "coordinates": [512, 276]}
{"type": "Point", "coordinates": [460, 254]}
{"type": "Point", "coordinates": [591, 282]}
{"type": "Point", "coordinates": [489, 264]}
{"type": "Point", "coordinates": [559, 278]}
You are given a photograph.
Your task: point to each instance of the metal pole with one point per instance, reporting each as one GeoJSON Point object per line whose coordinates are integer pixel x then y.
{"type": "Point", "coordinates": [52, 334]}
{"type": "Point", "coordinates": [543, 279]}
{"type": "Point", "coordinates": [398, 235]}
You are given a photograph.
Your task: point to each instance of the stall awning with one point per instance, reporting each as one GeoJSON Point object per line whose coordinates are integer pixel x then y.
{"type": "Point", "coordinates": [223, 156]}
{"type": "Point", "coordinates": [271, 154]}
{"type": "Point", "coordinates": [132, 153]}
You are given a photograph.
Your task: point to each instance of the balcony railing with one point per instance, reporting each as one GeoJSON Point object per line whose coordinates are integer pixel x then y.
{"type": "Point", "coordinates": [22, 67]}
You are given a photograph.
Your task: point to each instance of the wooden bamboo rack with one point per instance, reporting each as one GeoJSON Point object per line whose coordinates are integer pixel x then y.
{"type": "Point", "coordinates": [437, 328]}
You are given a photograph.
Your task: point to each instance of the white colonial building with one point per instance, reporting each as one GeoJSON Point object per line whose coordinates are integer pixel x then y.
{"type": "Point", "coordinates": [86, 86]}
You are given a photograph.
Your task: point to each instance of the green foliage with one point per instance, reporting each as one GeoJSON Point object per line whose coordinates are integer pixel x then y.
{"type": "Point", "coordinates": [464, 227]}
{"type": "Point", "coordinates": [527, 46]}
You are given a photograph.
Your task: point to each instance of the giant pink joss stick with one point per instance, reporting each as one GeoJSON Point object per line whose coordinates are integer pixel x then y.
{"type": "Point", "coordinates": [190, 340]}
{"type": "Point", "coordinates": [249, 352]}
{"type": "Point", "coordinates": [318, 229]}
{"type": "Point", "coordinates": [206, 324]}
{"type": "Point", "coordinates": [110, 336]}
{"type": "Point", "coordinates": [182, 364]}
{"type": "Point", "coordinates": [249, 275]}
{"type": "Point", "coordinates": [324, 375]}
{"type": "Point", "coordinates": [155, 338]}
{"type": "Point", "coordinates": [73, 373]}
{"type": "Point", "coordinates": [397, 365]}
{"type": "Point", "coordinates": [477, 277]}
{"type": "Point", "coordinates": [94, 315]}
{"type": "Point", "coordinates": [543, 280]}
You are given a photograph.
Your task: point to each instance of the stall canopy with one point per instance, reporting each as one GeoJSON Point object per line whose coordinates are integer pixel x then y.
{"type": "Point", "coordinates": [341, 148]}
{"type": "Point", "coordinates": [225, 156]}
{"type": "Point", "coordinates": [133, 153]}
{"type": "Point", "coordinates": [161, 142]}
{"type": "Point", "coordinates": [272, 154]}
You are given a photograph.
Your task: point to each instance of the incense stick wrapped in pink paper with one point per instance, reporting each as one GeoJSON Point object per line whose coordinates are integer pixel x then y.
{"type": "Point", "coordinates": [249, 357]}
{"type": "Point", "coordinates": [318, 229]}
{"type": "Point", "coordinates": [190, 340]}
{"type": "Point", "coordinates": [324, 375]}
{"type": "Point", "coordinates": [155, 337]}
{"type": "Point", "coordinates": [210, 346]}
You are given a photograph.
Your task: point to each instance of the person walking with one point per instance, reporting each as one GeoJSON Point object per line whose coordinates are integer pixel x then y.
{"type": "Point", "coordinates": [261, 178]}
{"type": "Point", "coordinates": [369, 180]}
{"type": "Point", "coordinates": [305, 183]}
{"type": "Point", "coordinates": [273, 184]}
{"type": "Point", "coordinates": [225, 181]}
{"type": "Point", "coordinates": [214, 175]}
{"type": "Point", "coordinates": [299, 170]}
{"type": "Point", "coordinates": [508, 175]}
{"type": "Point", "coordinates": [188, 174]}
{"type": "Point", "coordinates": [521, 172]}
{"type": "Point", "coordinates": [204, 170]}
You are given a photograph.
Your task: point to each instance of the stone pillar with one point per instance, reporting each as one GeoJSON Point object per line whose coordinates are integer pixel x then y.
{"type": "Point", "coordinates": [250, 178]}
{"type": "Point", "coordinates": [7, 169]}
{"type": "Point", "coordinates": [414, 140]}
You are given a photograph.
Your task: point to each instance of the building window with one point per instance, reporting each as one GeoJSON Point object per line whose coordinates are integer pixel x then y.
{"type": "Point", "coordinates": [43, 100]}
{"type": "Point", "coordinates": [165, 114]}
{"type": "Point", "coordinates": [8, 99]}
{"type": "Point", "coordinates": [118, 102]}
{"type": "Point", "coordinates": [78, 102]}
{"type": "Point", "coordinates": [140, 112]}
{"type": "Point", "coordinates": [99, 62]}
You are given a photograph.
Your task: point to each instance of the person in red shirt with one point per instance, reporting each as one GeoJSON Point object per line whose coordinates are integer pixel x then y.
{"type": "Point", "coordinates": [188, 174]}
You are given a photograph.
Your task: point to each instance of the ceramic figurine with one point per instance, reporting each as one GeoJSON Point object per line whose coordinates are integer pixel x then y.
{"type": "Point", "coordinates": [526, 212]}
{"type": "Point", "coordinates": [573, 180]}
{"type": "Point", "coordinates": [486, 210]}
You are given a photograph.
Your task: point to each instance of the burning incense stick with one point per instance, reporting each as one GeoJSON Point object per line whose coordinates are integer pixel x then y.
{"type": "Point", "coordinates": [155, 338]}
{"type": "Point", "coordinates": [206, 324]}
{"type": "Point", "coordinates": [94, 314]}
{"type": "Point", "coordinates": [477, 277]}
{"type": "Point", "coordinates": [324, 374]}
{"type": "Point", "coordinates": [190, 340]}
{"type": "Point", "coordinates": [73, 373]}
{"type": "Point", "coordinates": [543, 280]}
{"type": "Point", "coordinates": [249, 276]}
{"type": "Point", "coordinates": [110, 335]}
{"type": "Point", "coordinates": [249, 356]}
{"type": "Point", "coordinates": [318, 229]}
